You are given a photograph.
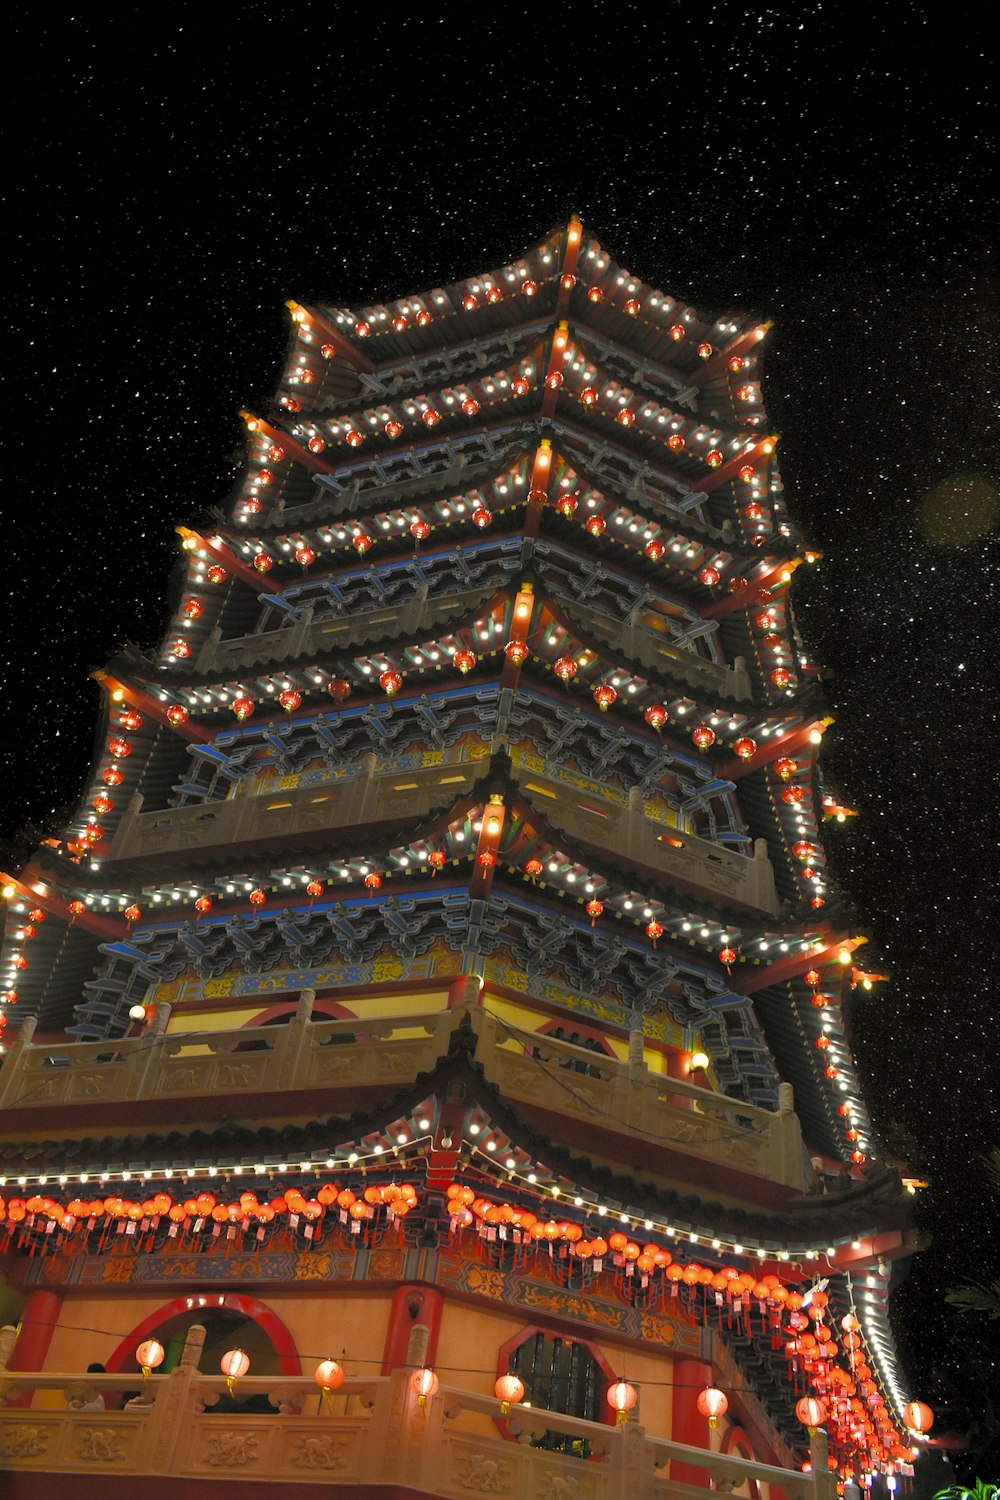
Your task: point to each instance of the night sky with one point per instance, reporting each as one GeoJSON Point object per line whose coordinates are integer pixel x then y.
{"type": "Point", "coordinates": [172, 180]}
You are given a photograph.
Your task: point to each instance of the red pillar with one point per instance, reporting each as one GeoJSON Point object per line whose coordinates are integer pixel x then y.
{"type": "Point", "coordinates": [679, 1066]}
{"type": "Point", "coordinates": [411, 1305]}
{"type": "Point", "coordinates": [689, 1426]}
{"type": "Point", "coordinates": [39, 1317]}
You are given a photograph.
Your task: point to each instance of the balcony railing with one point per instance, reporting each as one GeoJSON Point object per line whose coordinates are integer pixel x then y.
{"type": "Point", "coordinates": [370, 1432]}
{"type": "Point", "coordinates": [626, 1097]}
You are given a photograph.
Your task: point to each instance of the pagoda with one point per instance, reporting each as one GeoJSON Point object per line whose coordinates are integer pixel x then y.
{"type": "Point", "coordinates": [426, 1057]}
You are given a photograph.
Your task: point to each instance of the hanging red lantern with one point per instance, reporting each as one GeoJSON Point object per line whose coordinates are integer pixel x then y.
{"type": "Point", "coordinates": [803, 849]}
{"type": "Point", "coordinates": [290, 700]}
{"type": "Point", "coordinates": [709, 576]}
{"type": "Point", "coordinates": [354, 438]}
{"type": "Point", "coordinates": [423, 318]}
{"type": "Point", "coordinates": [423, 1383]}
{"type": "Point", "coordinates": [655, 716]}
{"type": "Point", "coordinates": [481, 517]}
{"type": "Point", "coordinates": [437, 859]}
{"type": "Point", "coordinates": [508, 1389]}
{"type": "Point", "coordinates": [493, 295]}
{"type": "Point", "coordinates": [216, 574]}
{"type": "Point", "coordinates": [780, 677]}
{"type": "Point", "coordinates": [588, 396]}
{"type": "Point", "coordinates": [677, 332]}
{"type": "Point", "coordinates": [102, 803]}
{"type": "Point", "coordinates": [808, 873]}
{"type": "Point", "coordinates": [181, 649]}
{"type": "Point", "coordinates": [314, 889]}
{"type": "Point", "coordinates": [566, 668]}
{"type": "Point", "coordinates": [604, 696]}
{"type": "Point", "coordinates": [654, 549]}
{"type": "Point", "coordinates": [119, 748]}
{"type": "Point", "coordinates": [305, 555]}
{"type": "Point", "coordinates": [193, 608]}
{"type": "Point", "coordinates": [470, 406]}
{"type": "Point", "coordinates": [632, 307]}
{"type": "Point", "coordinates": [737, 585]}
{"type": "Point", "coordinates": [822, 1043]}
{"type": "Point", "coordinates": [373, 881]}
{"type": "Point", "coordinates": [811, 1411]}
{"type": "Point", "coordinates": [594, 294]}
{"type": "Point", "coordinates": [420, 529]}
{"type": "Point", "coordinates": [257, 897]}
{"type": "Point", "coordinates": [703, 736]}
{"type": "Point", "coordinates": [243, 706]}
{"type": "Point", "coordinates": [399, 323]}
{"type": "Point", "coordinates": [554, 380]}
{"type": "Point", "coordinates": [253, 506]}
{"type": "Point", "coordinates": [327, 351]}
{"type": "Point", "coordinates": [654, 931]}
{"type": "Point", "coordinates": [675, 442]}
{"type": "Point", "coordinates": [430, 417]}
{"type": "Point", "coordinates": [520, 385]}
{"type": "Point", "coordinates": [306, 377]}
{"type": "Point", "coordinates": [36, 915]}
{"type": "Point", "coordinates": [748, 474]}
{"type": "Point", "coordinates": [745, 747]}
{"type": "Point", "coordinates": [339, 689]}
{"type": "Point", "coordinates": [264, 476]}
{"type": "Point", "coordinates": [93, 833]}
{"type": "Point", "coordinates": [625, 417]}
{"type": "Point", "coordinates": [713, 1404]}
{"type": "Point", "coordinates": [316, 445]}
{"type": "Point", "coordinates": [20, 962]}
{"type": "Point", "coordinates": [537, 497]}
{"type": "Point", "coordinates": [593, 910]}
{"type": "Point", "coordinates": [516, 651]}
{"type": "Point", "coordinates": [393, 428]}
{"type": "Point", "coordinates": [918, 1417]}
{"type": "Point", "coordinates": [465, 660]}
{"type": "Point", "coordinates": [533, 868]}
{"type": "Point", "coordinates": [785, 767]}
{"type": "Point", "coordinates": [112, 776]}
{"type": "Point", "coordinates": [566, 505]}
{"type": "Point", "coordinates": [263, 563]}
{"type": "Point", "coordinates": [203, 905]}
{"type": "Point", "coordinates": [734, 363]}
{"type": "Point", "coordinates": [133, 913]}
{"type": "Point", "coordinates": [362, 542]}
{"type": "Point", "coordinates": [469, 302]}
{"type": "Point", "coordinates": [390, 681]}
{"type": "Point", "coordinates": [487, 859]}
{"type": "Point", "coordinates": [713, 458]}
{"type": "Point", "coordinates": [727, 956]}
{"type": "Point", "coordinates": [596, 525]}
{"type": "Point", "coordinates": [621, 1398]}
{"type": "Point", "coordinates": [813, 977]}
{"type": "Point", "coordinates": [753, 511]}
{"type": "Point", "coordinates": [178, 714]}
{"type": "Point", "coordinates": [363, 330]}
{"type": "Point", "coordinates": [290, 403]}
{"type": "Point", "coordinates": [704, 351]}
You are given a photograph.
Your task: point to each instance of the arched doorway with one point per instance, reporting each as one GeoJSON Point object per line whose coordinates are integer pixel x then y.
{"type": "Point", "coordinates": [230, 1321]}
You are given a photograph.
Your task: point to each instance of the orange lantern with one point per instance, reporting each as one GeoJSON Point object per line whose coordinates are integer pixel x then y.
{"type": "Point", "coordinates": [329, 1377]}
{"type": "Point", "coordinates": [712, 1403]}
{"type": "Point", "coordinates": [423, 1383]}
{"type": "Point", "coordinates": [233, 1364]}
{"type": "Point", "coordinates": [918, 1417]}
{"type": "Point", "coordinates": [621, 1398]}
{"type": "Point", "coordinates": [149, 1356]}
{"type": "Point", "coordinates": [508, 1391]}
{"type": "Point", "coordinates": [811, 1411]}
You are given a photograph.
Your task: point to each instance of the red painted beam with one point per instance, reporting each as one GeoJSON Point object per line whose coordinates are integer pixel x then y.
{"type": "Point", "coordinates": [782, 744]}
{"type": "Point", "coordinates": [728, 603]}
{"type": "Point", "coordinates": [224, 555]}
{"type": "Point", "coordinates": [331, 335]}
{"type": "Point", "coordinates": [290, 445]}
{"type": "Point", "coordinates": [761, 447]}
{"type": "Point", "coordinates": [55, 906]}
{"type": "Point", "coordinates": [742, 344]}
{"type": "Point", "coordinates": [792, 965]}
{"type": "Point", "coordinates": [151, 706]}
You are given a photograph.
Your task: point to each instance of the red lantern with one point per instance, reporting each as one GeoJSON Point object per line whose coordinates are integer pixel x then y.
{"type": "Point", "coordinates": [734, 363]}
{"type": "Point", "coordinates": [37, 915]}
{"type": "Point", "coordinates": [469, 302]}
{"type": "Point", "coordinates": [93, 833]}
{"type": "Point", "coordinates": [604, 696]}
{"type": "Point", "coordinates": [621, 1398]}
{"type": "Point", "coordinates": [536, 497]}
{"type": "Point", "coordinates": [594, 294]}
{"type": "Point", "coordinates": [625, 417]}
{"type": "Point", "coordinates": [216, 574]}
{"type": "Point", "coordinates": [655, 716]}
{"type": "Point", "coordinates": [355, 438]}
{"type": "Point", "coordinates": [373, 881]}
{"type": "Point", "coordinates": [918, 1417]}
{"type": "Point", "coordinates": [753, 511]}
{"type": "Point", "coordinates": [400, 323]}
{"type": "Point", "coordinates": [566, 668]}
{"type": "Point", "coordinates": [785, 767]}
{"type": "Point", "coordinates": [704, 351]}
{"type": "Point", "coordinates": [203, 905]}
{"type": "Point", "coordinates": [305, 555]}
{"type": "Point", "coordinates": [193, 608]}
{"type": "Point", "coordinates": [119, 748]}
{"type": "Point", "coordinates": [423, 318]}
{"type": "Point", "coordinates": [253, 506]}
{"type": "Point", "coordinates": [9, 997]}
{"type": "Point", "coordinates": [566, 505]}
{"type": "Point", "coordinates": [813, 977]}
{"type": "Point", "coordinates": [654, 931]}
{"type": "Point", "coordinates": [102, 803]}
{"type": "Point", "coordinates": [533, 868]}
{"type": "Point", "coordinates": [493, 295]}
{"type": "Point", "coordinates": [393, 428]}
{"type": "Point", "coordinates": [437, 859]}
{"type": "Point", "coordinates": [316, 445]}
{"type": "Point", "coordinates": [362, 542]}
{"type": "Point", "coordinates": [713, 1404]}
{"type": "Point", "coordinates": [181, 649]}
{"type": "Point", "coordinates": [529, 287]}
{"type": "Point", "coordinates": [329, 1376]}
{"type": "Point", "coordinates": [20, 962]}
{"type": "Point", "coordinates": [487, 859]}
{"type": "Point", "coordinates": [508, 1391]}
{"type": "Point", "coordinates": [737, 585]}
{"type": "Point", "coordinates": [516, 651]}
{"type": "Point", "coordinates": [520, 385]}
{"type": "Point", "coordinates": [243, 707]}
{"type": "Point", "coordinates": [588, 396]}
{"type": "Point", "coordinates": [314, 889]}
{"type": "Point", "coordinates": [465, 660]}
{"type": "Point", "coordinates": [677, 332]}
{"type": "Point", "coordinates": [780, 677]}
{"type": "Point", "coordinates": [133, 913]}
{"type": "Point", "coordinates": [178, 714]}
{"type": "Point", "coordinates": [745, 747]}
{"type": "Point", "coordinates": [423, 1383]}
{"type": "Point", "coordinates": [257, 897]}
{"type": "Point", "coordinates": [420, 529]}
{"type": "Point", "coordinates": [430, 417]}
{"type": "Point", "coordinates": [811, 1411]}
{"type": "Point", "coordinates": [263, 563]}
{"type": "Point", "coordinates": [595, 525]}
{"type": "Point", "coordinates": [703, 736]}
{"type": "Point", "coordinates": [709, 576]}
{"type": "Point", "coordinates": [264, 476]}
{"type": "Point", "coordinates": [803, 849]}
{"type": "Point", "coordinates": [391, 681]}
{"type": "Point", "coordinates": [327, 351]}
{"type": "Point", "coordinates": [339, 689]}
{"type": "Point", "coordinates": [554, 380]}
{"type": "Point", "coordinates": [727, 956]}
{"type": "Point", "coordinates": [290, 700]}
{"type": "Point", "coordinates": [793, 795]}
{"type": "Point", "coordinates": [632, 307]}
{"type": "Point", "coordinates": [713, 458]}
{"type": "Point", "coordinates": [675, 442]}
{"type": "Point", "coordinates": [77, 909]}
{"type": "Point", "coordinates": [654, 549]}
{"type": "Point", "coordinates": [593, 910]}
{"type": "Point", "coordinates": [112, 776]}
{"type": "Point", "coordinates": [362, 330]}
{"type": "Point", "coordinates": [481, 517]}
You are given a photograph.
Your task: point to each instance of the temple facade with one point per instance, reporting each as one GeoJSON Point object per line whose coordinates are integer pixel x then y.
{"type": "Point", "coordinates": [426, 1059]}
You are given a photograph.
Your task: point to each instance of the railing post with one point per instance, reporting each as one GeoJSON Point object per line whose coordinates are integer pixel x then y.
{"type": "Point", "coordinates": [824, 1482]}
{"type": "Point", "coordinates": [169, 1422]}
{"type": "Point", "coordinates": [13, 1067]}
{"type": "Point", "coordinates": [293, 1040]}
{"type": "Point", "coordinates": [8, 1335]}
{"type": "Point", "coordinates": [147, 1056]}
{"type": "Point", "coordinates": [786, 1153]}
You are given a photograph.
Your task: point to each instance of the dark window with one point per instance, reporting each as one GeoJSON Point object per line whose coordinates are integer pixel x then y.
{"type": "Point", "coordinates": [559, 1375]}
{"type": "Point", "coordinates": [573, 1064]}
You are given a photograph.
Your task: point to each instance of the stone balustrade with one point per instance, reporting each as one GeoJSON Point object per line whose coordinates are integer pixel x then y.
{"type": "Point", "coordinates": [370, 1432]}
{"type": "Point", "coordinates": [626, 1097]}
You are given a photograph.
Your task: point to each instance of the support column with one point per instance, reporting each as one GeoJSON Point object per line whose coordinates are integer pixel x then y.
{"type": "Point", "coordinates": [688, 1425]}
{"type": "Point", "coordinates": [679, 1066]}
{"type": "Point", "coordinates": [39, 1317]}
{"type": "Point", "coordinates": [414, 1323]}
